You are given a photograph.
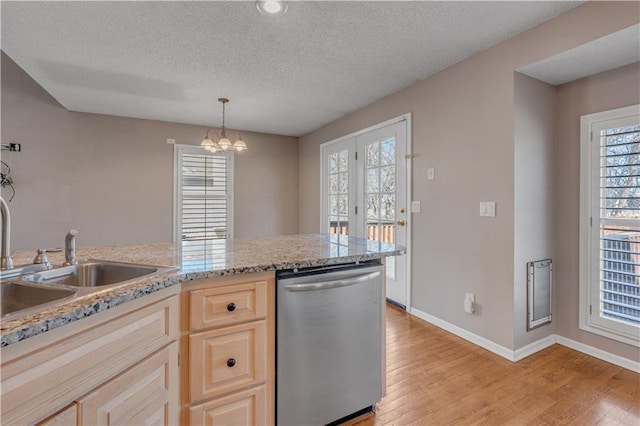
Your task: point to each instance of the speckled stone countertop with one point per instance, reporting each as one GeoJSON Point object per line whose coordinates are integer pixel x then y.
{"type": "Point", "coordinates": [191, 260]}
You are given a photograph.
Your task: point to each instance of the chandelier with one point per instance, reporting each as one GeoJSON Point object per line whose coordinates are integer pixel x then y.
{"type": "Point", "coordinates": [222, 143]}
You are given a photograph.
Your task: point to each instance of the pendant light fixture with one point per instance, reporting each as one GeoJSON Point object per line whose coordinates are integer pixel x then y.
{"type": "Point", "coordinates": [222, 143]}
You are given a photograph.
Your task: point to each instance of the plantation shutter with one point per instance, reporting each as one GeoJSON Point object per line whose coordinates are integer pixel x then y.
{"type": "Point", "coordinates": [203, 197]}
{"type": "Point", "coordinates": [618, 230]}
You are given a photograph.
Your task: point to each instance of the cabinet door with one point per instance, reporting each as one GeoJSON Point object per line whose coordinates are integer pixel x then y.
{"type": "Point", "coordinates": [248, 408]}
{"type": "Point", "coordinates": [227, 359]}
{"type": "Point", "coordinates": [147, 393]}
{"type": "Point", "coordinates": [66, 417]}
{"type": "Point", "coordinates": [51, 370]}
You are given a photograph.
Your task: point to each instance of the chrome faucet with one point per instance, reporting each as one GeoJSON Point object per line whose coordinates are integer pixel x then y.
{"type": "Point", "coordinates": [5, 255]}
{"type": "Point", "coordinates": [41, 258]}
{"type": "Point", "coordinates": [70, 248]}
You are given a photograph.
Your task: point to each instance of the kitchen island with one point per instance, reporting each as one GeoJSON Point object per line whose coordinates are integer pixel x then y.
{"type": "Point", "coordinates": [231, 257]}
{"type": "Point", "coordinates": [177, 327]}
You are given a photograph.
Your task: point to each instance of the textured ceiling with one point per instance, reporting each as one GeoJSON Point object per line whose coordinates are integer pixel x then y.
{"type": "Point", "coordinates": [285, 74]}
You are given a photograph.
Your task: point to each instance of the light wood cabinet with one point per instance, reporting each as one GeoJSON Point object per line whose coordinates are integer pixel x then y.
{"type": "Point", "coordinates": [66, 417]}
{"type": "Point", "coordinates": [46, 373]}
{"type": "Point", "coordinates": [242, 408]}
{"type": "Point", "coordinates": [140, 396]}
{"type": "Point", "coordinates": [229, 340]}
{"type": "Point", "coordinates": [229, 304]}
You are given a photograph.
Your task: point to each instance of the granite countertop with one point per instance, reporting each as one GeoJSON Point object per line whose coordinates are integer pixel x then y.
{"type": "Point", "coordinates": [190, 260]}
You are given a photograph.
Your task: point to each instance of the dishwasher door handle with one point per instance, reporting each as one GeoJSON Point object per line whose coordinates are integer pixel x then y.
{"type": "Point", "coordinates": [332, 284]}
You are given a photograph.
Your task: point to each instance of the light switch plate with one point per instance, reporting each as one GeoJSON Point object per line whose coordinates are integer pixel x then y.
{"type": "Point", "coordinates": [171, 141]}
{"type": "Point", "coordinates": [431, 173]}
{"type": "Point", "coordinates": [416, 207]}
{"type": "Point", "coordinates": [488, 208]}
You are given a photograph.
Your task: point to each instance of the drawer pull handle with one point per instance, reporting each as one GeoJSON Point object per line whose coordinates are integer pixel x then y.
{"type": "Point", "coordinates": [231, 362]}
{"type": "Point", "coordinates": [231, 307]}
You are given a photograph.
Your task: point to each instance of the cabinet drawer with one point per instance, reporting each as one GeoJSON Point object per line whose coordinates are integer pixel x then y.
{"type": "Point", "coordinates": [66, 417]}
{"type": "Point", "coordinates": [226, 305]}
{"type": "Point", "coordinates": [148, 393]}
{"type": "Point", "coordinates": [227, 359]}
{"type": "Point", "coordinates": [243, 408]}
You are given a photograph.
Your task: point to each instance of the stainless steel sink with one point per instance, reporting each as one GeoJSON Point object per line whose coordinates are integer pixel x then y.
{"type": "Point", "coordinates": [10, 274]}
{"type": "Point", "coordinates": [92, 274]}
{"type": "Point", "coordinates": [18, 297]}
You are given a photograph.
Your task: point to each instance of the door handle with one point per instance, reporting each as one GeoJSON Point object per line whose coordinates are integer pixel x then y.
{"type": "Point", "coordinates": [400, 222]}
{"type": "Point", "coordinates": [332, 284]}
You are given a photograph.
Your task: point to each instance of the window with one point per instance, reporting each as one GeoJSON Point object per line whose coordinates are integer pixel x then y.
{"type": "Point", "coordinates": [610, 224]}
{"type": "Point", "coordinates": [338, 163]}
{"type": "Point", "coordinates": [203, 201]}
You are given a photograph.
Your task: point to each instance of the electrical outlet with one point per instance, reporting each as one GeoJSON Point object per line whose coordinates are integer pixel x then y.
{"type": "Point", "coordinates": [171, 141]}
{"type": "Point", "coordinates": [15, 147]}
{"type": "Point", "coordinates": [469, 303]}
{"type": "Point", "coordinates": [416, 207]}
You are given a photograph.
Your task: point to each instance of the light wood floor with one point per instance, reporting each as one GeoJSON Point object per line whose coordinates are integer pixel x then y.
{"type": "Point", "coordinates": [436, 378]}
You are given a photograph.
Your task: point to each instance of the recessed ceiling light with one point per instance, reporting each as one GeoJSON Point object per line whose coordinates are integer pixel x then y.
{"type": "Point", "coordinates": [272, 7]}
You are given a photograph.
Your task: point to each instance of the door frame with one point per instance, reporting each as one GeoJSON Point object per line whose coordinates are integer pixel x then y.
{"type": "Point", "coordinates": [407, 119]}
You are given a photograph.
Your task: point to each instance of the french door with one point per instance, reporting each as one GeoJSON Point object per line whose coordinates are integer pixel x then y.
{"type": "Point", "coordinates": [365, 190]}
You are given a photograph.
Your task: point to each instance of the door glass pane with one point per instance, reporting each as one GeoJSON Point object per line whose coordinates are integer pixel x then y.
{"type": "Point", "coordinates": [388, 179]}
{"type": "Point", "coordinates": [343, 228]}
{"type": "Point", "coordinates": [343, 207]}
{"type": "Point", "coordinates": [372, 180]}
{"type": "Point", "coordinates": [380, 194]}
{"type": "Point", "coordinates": [373, 209]}
{"type": "Point", "coordinates": [379, 191]}
{"type": "Point", "coordinates": [344, 161]}
{"type": "Point", "coordinates": [372, 155]}
{"type": "Point", "coordinates": [343, 187]}
{"type": "Point", "coordinates": [338, 192]}
{"type": "Point", "coordinates": [333, 184]}
{"type": "Point", "coordinates": [388, 152]}
{"type": "Point", "coordinates": [388, 207]}
{"type": "Point", "coordinates": [333, 205]}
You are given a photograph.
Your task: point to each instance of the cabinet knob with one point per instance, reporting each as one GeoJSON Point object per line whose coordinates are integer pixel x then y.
{"type": "Point", "coordinates": [231, 307]}
{"type": "Point", "coordinates": [231, 362]}
{"type": "Point", "coordinates": [400, 222]}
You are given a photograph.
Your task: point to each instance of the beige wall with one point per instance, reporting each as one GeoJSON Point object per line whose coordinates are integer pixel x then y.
{"type": "Point", "coordinates": [534, 140]}
{"type": "Point", "coordinates": [463, 126]}
{"type": "Point", "coordinates": [601, 92]}
{"type": "Point", "coordinates": [112, 177]}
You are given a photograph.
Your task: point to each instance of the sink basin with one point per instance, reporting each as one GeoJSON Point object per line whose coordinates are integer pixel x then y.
{"type": "Point", "coordinates": [92, 274]}
{"type": "Point", "coordinates": [17, 297]}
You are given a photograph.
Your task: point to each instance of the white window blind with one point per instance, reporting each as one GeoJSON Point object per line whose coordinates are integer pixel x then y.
{"type": "Point", "coordinates": [204, 197]}
{"type": "Point", "coordinates": [613, 259]}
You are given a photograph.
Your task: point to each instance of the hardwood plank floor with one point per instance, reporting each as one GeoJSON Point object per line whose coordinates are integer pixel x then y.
{"type": "Point", "coordinates": [437, 378]}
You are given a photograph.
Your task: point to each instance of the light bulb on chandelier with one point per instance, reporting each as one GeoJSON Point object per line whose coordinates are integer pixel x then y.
{"type": "Point", "coordinates": [223, 143]}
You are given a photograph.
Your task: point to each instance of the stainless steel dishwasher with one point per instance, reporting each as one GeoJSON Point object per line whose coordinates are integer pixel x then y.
{"type": "Point", "coordinates": [329, 343]}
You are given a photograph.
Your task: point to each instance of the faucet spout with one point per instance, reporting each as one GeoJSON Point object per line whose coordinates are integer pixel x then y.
{"type": "Point", "coordinates": [5, 255]}
{"type": "Point", "coordinates": [70, 248]}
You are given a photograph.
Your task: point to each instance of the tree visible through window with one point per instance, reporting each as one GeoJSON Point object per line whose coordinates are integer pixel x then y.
{"type": "Point", "coordinates": [620, 241]}
{"type": "Point", "coordinates": [610, 237]}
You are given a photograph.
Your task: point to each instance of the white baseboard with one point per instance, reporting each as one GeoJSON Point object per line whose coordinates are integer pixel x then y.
{"type": "Point", "coordinates": [599, 353]}
{"type": "Point", "coordinates": [534, 347]}
{"type": "Point", "coordinates": [467, 335]}
{"type": "Point", "coordinates": [529, 349]}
